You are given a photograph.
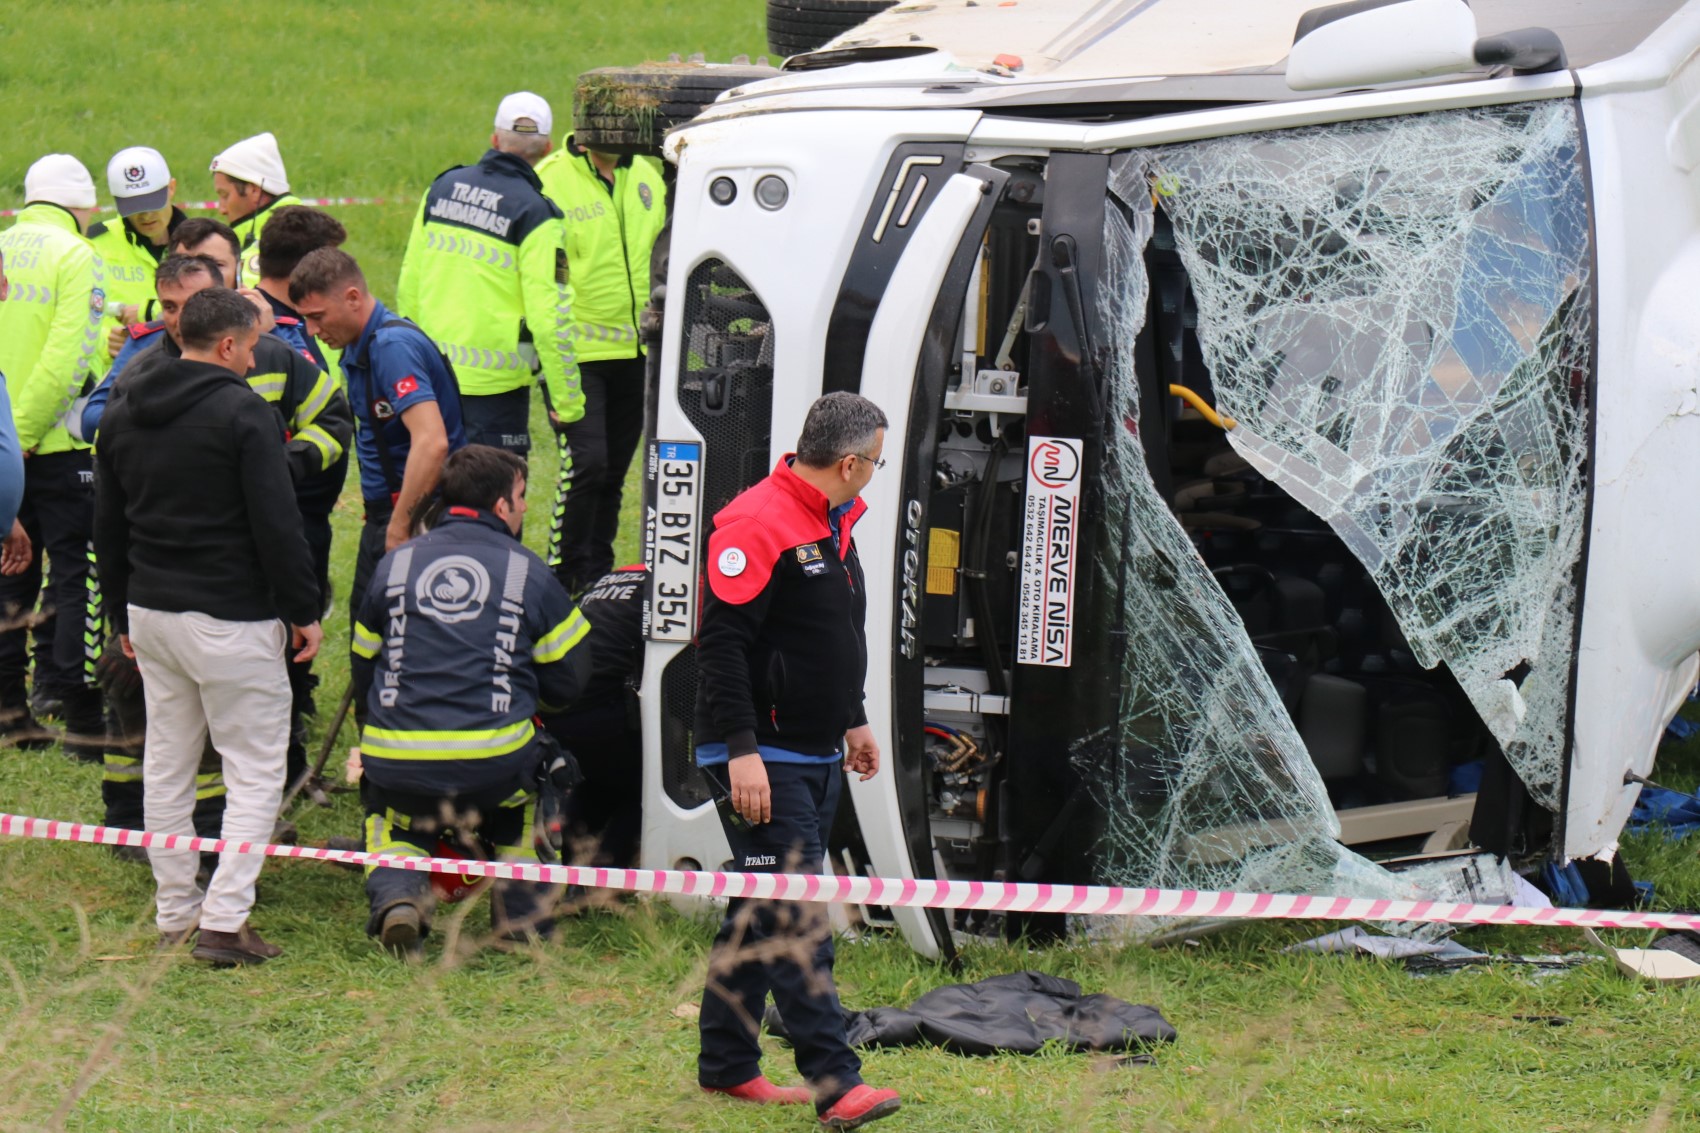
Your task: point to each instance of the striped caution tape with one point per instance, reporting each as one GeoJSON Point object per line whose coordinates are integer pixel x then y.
{"type": "Point", "coordinates": [210, 206]}
{"type": "Point", "coordinates": [993, 896]}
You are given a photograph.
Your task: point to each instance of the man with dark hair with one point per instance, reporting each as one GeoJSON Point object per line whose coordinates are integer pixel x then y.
{"type": "Point", "coordinates": [462, 637]}
{"type": "Point", "coordinates": [779, 709]}
{"type": "Point", "coordinates": [486, 269]}
{"type": "Point", "coordinates": [291, 233]}
{"type": "Point", "coordinates": [314, 424]}
{"type": "Point", "coordinates": [403, 393]}
{"type": "Point", "coordinates": [202, 553]}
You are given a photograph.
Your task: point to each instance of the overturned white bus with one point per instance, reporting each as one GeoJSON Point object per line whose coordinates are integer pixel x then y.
{"type": "Point", "coordinates": [1290, 407]}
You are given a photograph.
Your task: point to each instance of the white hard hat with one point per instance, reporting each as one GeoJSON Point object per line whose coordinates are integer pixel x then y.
{"type": "Point", "coordinates": [525, 113]}
{"type": "Point", "coordinates": [256, 161]}
{"type": "Point", "coordinates": [59, 179]}
{"type": "Point", "coordinates": [139, 180]}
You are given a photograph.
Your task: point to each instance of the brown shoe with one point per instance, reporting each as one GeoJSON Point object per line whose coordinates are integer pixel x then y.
{"type": "Point", "coordinates": [227, 949]}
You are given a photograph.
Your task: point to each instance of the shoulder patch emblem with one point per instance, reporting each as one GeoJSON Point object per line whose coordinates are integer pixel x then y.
{"type": "Point", "coordinates": [731, 562]}
{"type": "Point", "coordinates": [407, 385]}
{"type": "Point", "coordinates": [647, 197]}
{"type": "Point", "coordinates": [809, 553]}
{"type": "Point", "coordinates": [97, 301]}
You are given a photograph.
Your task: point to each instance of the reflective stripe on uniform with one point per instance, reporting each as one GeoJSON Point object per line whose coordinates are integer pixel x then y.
{"type": "Point", "coordinates": [317, 399]}
{"type": "Point", "coordinates": [121, 768]}
{"type": "Point", "coordinates": [395, 743]}
{"type": "Point", "coordinates": [555, 644]}
{"type": "Point", "coordinates": [364, 642]}
{"type": "Point", "coordinates": [593, 333]}
{"type": "Point", "coordinates": [479, 359]}
{"type": "Point", "coordinates": [209, 785]}
{"type": "Point", "coordinates": [471, 247]}
{"type": "Point", "coordinates": [316, 436]}
{"type": "Point", "coordinates": [380, 839]}
{"type": "Point", "coordinates": [268, 386]}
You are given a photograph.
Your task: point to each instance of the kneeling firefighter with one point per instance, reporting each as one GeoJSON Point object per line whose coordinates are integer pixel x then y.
{"type": "Point", "coordinates": [461, 638]}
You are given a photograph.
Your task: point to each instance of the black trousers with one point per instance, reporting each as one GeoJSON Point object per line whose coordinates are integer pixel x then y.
{"type": "Point", "coordinates": [500, 420]}
{"type": "Point", "coordinates": [606, 809]}
{"type": "Point", "coordinates": [373, 534]}
{"type": "Point", "coordinates": [494, 826]}
{"type": "Point", "coordinates": [782, 947]}
{"type": "Point", "coordinates": [316, 526]}
{"type": "Point", "coordinates": [58, 514]}
{"type": "Point", "coordinates": [126, 732]}
{"type": "Point", "coordinates": [596, 451]}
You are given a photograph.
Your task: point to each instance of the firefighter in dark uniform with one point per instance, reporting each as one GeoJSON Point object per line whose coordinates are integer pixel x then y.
{"type": "Point", "coordinates": [779, 710]}
{"type": "Point", "coordinates": [604, 730]}
{"type": "Point", "coordinates": [462, 637]}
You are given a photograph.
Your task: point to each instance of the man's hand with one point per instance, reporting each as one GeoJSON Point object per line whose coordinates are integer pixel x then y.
{"type": "Point", "coordinates": [306, 639]}
{"type": "Point", "coordinates": [115, 341]}
{"type": "Point", "coordinates": [124, 644]}
{"type": "Point", "coordinates": [15, 550]}
{"type": "Point", "coordinates": [398, 532]}
{"type": "Point", "coordinates": [861, 752]}
{"type": "Point", "coordinates": [750, 794]}
{"type": "Point", "coordinates": [268, 318]}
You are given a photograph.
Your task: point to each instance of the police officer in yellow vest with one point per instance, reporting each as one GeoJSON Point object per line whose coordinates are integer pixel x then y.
{"type": "Point", "coordinates": [132, 246]}
{"type": "Point", "coordinates": [250, 183]}
{"type": "Point", "coordinates": [50, 332]}
{"type": "Point", "coordinates": [486, 269]}
{"type": "Point", "coordinates": [615, 208]}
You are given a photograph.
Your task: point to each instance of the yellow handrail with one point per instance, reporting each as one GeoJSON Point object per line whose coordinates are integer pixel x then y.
{"type": "Point", "coordinates": [1204, 410]}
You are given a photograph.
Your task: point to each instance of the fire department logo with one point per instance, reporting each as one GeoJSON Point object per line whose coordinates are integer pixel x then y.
{"type": "Point", "coordinates": [732, 562]}
{"type": "Point", "coordinates": [647, 197]}
{"type": "Point", "coordinates": [452, 589]}
{"type": "Point", "coordinates": [134, 173]}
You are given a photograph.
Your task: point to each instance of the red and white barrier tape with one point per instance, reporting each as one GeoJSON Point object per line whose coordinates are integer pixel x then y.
{"type": "Point", "coordinates": [209, 206]}
{"type": "Point", "coordinates": [995, 896]}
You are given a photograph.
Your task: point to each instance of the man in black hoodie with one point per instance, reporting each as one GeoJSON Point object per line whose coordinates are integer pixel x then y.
{"type": "Point", "coordinates": [201, 553]}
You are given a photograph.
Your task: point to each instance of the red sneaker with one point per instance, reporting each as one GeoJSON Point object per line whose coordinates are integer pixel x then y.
{"type": "Point", "coordinates": [860, 1106]}
{"type": "Point", "coordinates": [763, 1092]}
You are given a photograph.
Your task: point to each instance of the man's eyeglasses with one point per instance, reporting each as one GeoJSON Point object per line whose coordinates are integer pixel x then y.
{"type": "Point", "coordinates": [878, 464]}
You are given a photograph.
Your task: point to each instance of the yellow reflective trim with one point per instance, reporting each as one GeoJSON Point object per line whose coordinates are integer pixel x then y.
{"type": "Point", "coordinates": [210, 793]}
{"type": "Point", "coordinates": [268, 386]}
{"type": "Point", "coordinates": [364, 643]}
{"type": "Point", "coordinates": [316, 400]}
{"type": "Point", "coordinates": [391, 743]}
{"type": "Point", "coordinates": [316, 436]}
{"type": "Point", "coordinates": [555, 644]}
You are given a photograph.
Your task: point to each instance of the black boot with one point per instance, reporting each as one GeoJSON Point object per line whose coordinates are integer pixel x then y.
{"type": "Point", "coordinates": [85, 724]}
{"type": "Point", "coordinates": [18, 725]}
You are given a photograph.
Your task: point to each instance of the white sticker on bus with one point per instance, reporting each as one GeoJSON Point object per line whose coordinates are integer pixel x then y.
{"type": "Point", "coordinates": [1049, 548]}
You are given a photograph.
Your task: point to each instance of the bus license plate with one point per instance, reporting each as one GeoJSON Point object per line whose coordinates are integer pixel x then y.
{"type": "Point", "coordinates": [671, 538]}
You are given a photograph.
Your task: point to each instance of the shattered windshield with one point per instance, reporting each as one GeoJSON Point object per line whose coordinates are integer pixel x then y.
{"type": "Point", "coordinates": [1395, 315]}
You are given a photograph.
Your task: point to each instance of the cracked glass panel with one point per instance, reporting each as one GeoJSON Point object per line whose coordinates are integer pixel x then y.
{"type": "Point", "coordinates": [1396, 313]}
{"type": "Point", "coordinates": [1202, 778]}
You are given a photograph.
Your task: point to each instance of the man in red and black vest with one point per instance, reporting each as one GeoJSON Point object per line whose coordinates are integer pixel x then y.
{"type": "Point", "coordinates": [779, 709]}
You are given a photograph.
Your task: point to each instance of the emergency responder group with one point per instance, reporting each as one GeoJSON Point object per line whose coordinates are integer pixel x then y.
{"type": "Point", "coordinates": [223, 372]}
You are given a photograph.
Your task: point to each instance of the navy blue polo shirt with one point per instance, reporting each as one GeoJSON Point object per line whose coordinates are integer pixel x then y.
{"type": "Point", "coordinates": [389, 370]}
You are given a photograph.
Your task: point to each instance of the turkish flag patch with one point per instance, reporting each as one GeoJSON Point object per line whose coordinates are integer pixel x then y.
{"type": "Point", "coordinates": [407, 385]}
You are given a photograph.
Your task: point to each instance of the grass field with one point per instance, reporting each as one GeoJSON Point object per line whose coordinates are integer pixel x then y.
{"type": "Point", "coordinates": [593, 1032]}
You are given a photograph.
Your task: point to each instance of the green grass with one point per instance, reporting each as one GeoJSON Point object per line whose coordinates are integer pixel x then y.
{"type": "Point", "coordinates": [97, 1033]}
